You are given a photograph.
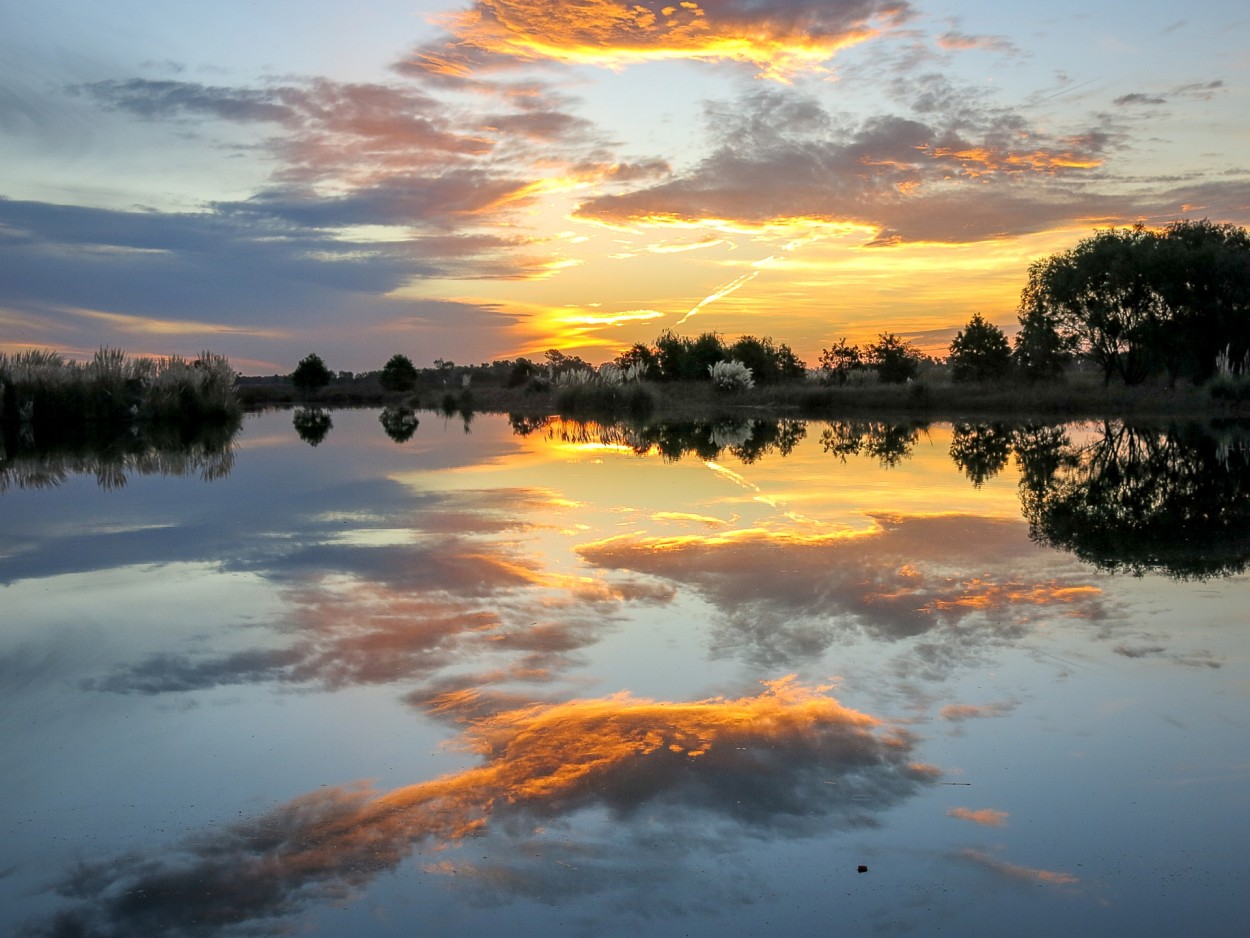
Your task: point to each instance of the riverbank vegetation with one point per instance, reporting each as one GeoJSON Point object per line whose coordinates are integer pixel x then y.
{"type": "Point", "coordinates": [48, 403]}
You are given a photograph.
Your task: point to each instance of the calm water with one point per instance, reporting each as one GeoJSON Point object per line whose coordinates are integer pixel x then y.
{"type": "Point", "coordinates": [556, 679]}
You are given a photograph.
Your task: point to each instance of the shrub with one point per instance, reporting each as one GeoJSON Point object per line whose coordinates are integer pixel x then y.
{"type": "Point", "coordinates": [311, 374]}
{"type": "Point", "coordinates": [731, 376]}
{"type": "Point", "coordinates": [398, 374]}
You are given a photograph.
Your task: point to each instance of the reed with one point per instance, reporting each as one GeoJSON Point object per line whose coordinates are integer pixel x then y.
{"type": "Point", "coordinates": [42, 394]}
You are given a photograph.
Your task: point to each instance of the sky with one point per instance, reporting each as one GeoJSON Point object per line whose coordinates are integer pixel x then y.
{"type": "Point", "coordinates": [474, 180]}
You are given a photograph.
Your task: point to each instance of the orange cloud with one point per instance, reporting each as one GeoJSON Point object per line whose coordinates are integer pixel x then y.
{"type": "Point", "coordinates": [1025, 874]}
{"type": "Point", "coordinates": [779, 38]}
{"type": "Point", "coordinates": [987, 817]}
{"type": "Point", "coordinates": [712, 759]}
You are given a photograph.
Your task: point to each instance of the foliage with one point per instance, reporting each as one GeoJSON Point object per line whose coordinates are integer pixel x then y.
{"type": "Point", "coordinates": [312, 424]}
{"type": "Point", "coordinates": [1138, 302]}
{"type": "Point", "coordinates": [1137, 500]}
{"type": "Point", "coordinates": [1040, 353]}
{"type": "Point", "coordinates": [731, 376]}
{"type": "Point", "coordinates": [43, 394]}
{"type": "Point", "coordinates": [400, 423]}
{"type": "Point", "coordinates": [768, 361]}
{"type": "Point", "coordinates": [895, 360]}
{"type": "Point", "coordinates": [841, 361]}
{"type": "Point", "coordinates": [980, 352]}
{"type": "Point", "coordinates": [637, 355]}
{"type": "Point", "coordinates": [981, 450]}
{"type": "Point", "coordinates": [311, 374]}
{"type": "Point", "coordinates": [683, 359]}
{"type": "Point", "coordinates": [398, 374]}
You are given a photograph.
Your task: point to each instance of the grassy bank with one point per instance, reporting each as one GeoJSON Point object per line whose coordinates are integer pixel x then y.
{"type": "Point", "coordinates": [51, 401]}
{"type": "Point", "coordinates": [1080, 395]}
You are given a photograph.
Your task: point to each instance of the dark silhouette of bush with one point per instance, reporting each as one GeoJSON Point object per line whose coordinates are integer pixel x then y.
{"type": "Point", "coordinates": [894, 360]}
{"type": "Point", "coordinates": [398, 374]}
{"type": "Point", "coordinates": [311, 374]}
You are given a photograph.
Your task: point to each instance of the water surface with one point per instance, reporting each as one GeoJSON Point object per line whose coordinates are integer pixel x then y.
{"type": "Point", "coordinates": [541, 677]}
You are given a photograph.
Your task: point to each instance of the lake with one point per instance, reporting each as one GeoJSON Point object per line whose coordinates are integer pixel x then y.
{"type": "Point", "coordinates": [533, 677]}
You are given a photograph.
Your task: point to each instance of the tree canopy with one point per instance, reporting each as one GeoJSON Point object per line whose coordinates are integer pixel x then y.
{"type": "Point", "coordinates": [311, 373]}
{"type": "Point", "coordinates": [980, 352]}
{"type": "Point", "coordinates": [1139, 302]}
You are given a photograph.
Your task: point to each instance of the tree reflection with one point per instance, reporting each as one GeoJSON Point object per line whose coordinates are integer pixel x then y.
{"type": "Point", "coordinates": [981, 450]}
{"type": "Point", "coordinates": [400, 423]}
{"type": "Point", "coordinates": [748, 440]}
{"type": "Point", "coordinates": [888, 443]}
{"type": "Point", "coordinates": [312, 424]}
{"type": "Point", "coordinates": [1137, 500]}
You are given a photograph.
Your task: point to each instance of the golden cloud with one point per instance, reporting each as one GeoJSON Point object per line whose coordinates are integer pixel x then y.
{"type": "Point", "coordinates": [987, 817]}
{"type": "Point", "coordinates": [763, 762]}
{"type": "Point", "coordinates": [779, 38]}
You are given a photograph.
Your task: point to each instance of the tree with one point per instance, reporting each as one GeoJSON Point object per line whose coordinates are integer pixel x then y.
{"type": "Point", "coordinates": [682, 359]}
{"type": "Point", "coordinates": [636, 354]}
{"type": "Point", "coordinates": [311, 374]}
{"type": "Point", "coordinates": [1138, 301]}
{"type": "Point", "coordinates": [399, 374]}
{"type": "Point", "coordinates": [980, 352]}
{"type": "Point", "coordinates": [770, 362]}
{"type": "Point", "coordinates": [1040, 353]}
{"type": "Point", "coordinates": [895, 360]}
{"type": "Point", "coordinates": [841, 361]}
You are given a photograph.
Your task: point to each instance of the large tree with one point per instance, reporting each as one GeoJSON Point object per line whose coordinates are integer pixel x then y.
{"type": "Point", "coordinates": [1138, 301]}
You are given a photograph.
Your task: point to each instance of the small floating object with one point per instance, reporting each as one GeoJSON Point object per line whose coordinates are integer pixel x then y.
{"type": "Point", "coordinates": [861, 869]}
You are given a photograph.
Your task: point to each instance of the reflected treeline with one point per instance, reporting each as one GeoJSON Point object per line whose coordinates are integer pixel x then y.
{"type": "Point", "coordinates": [888, 443]}
{"type": "Point", "coordinates": [746, 439]}
{"type": "Point", "coordinates": [1126, 498]}
{"type": "Point", "coordinates": [1136, 500]}
{"type": "Point", "coordinates": [312, 424]}
{"type": "Point", "coordinates": [206, 451]}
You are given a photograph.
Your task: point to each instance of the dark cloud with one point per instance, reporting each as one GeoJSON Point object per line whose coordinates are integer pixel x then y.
{"type": "Point", "coordinates": [784, 764]}
{"type": "Point", "coordinates": [957, 171]}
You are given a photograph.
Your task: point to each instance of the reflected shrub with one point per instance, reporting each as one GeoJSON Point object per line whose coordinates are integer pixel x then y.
{"type": "Point", "coordinates": [312, 424]}
{"type": "Point", "coordinates": [400, 423]}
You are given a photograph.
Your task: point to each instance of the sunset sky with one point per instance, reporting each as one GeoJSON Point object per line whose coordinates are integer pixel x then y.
{"type": "Point", "coordinates": [481, 179]}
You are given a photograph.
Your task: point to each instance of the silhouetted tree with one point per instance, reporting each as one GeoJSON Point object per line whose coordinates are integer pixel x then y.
{"type": "Point", "coordinates": [1137, 301]}
{"type": "Point", "coordinates": [399, 374]}
{"type": "Point", "coordinates": [841, 361]}
{"type": "Point", "coordinates": [980, 352]}
{"type": "Point", "coordinates": [770, 362]}
{"type": "Point", "coordinates": [311, 374]}
{"type": "Point", "coordinates": [895, 360]}
{"type": "Point", "coordinates": [1040, 353]}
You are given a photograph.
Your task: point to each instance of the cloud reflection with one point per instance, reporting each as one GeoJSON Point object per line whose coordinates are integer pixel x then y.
{"type": "Point", "coordinates": [953, 582]}
{"type": "Point", "coordinates": [784, 763]}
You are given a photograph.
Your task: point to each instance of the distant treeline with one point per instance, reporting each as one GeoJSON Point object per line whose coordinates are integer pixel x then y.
{"type": "Point", "coordinates": [1133, 303]}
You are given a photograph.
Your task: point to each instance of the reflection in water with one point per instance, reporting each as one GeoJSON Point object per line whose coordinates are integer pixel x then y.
{"type": "Point", "coordinates": [893, 581]}
{"type": "Point", "coordinates": [1136, 499]}
{"type": "Point", "coordinates": [204, 451]}
{"type": "Point", "coordinates": [312, 424]}
{"type": "Point", "coordinates": [769, 766]}
{"type": "Point", "coordinates": [501, 587]}
{"type": "Point", "coordinates": [400, 423]}
{"type": "Point", "coordinates": [888, 443]}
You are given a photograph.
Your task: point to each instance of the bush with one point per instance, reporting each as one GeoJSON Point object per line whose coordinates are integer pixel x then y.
{"type": "Point", "coordinates": [398, 374]}
{"type": "Point", "coordinates": [731, 376]}
{"type": "Point", "coordinates": [895, 360]}
{"type": "Point", "coordinates": [311, 374]}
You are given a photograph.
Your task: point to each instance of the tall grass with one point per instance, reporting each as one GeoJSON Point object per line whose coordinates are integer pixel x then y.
{"type": "Point", "coordinates": [44, 395]}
